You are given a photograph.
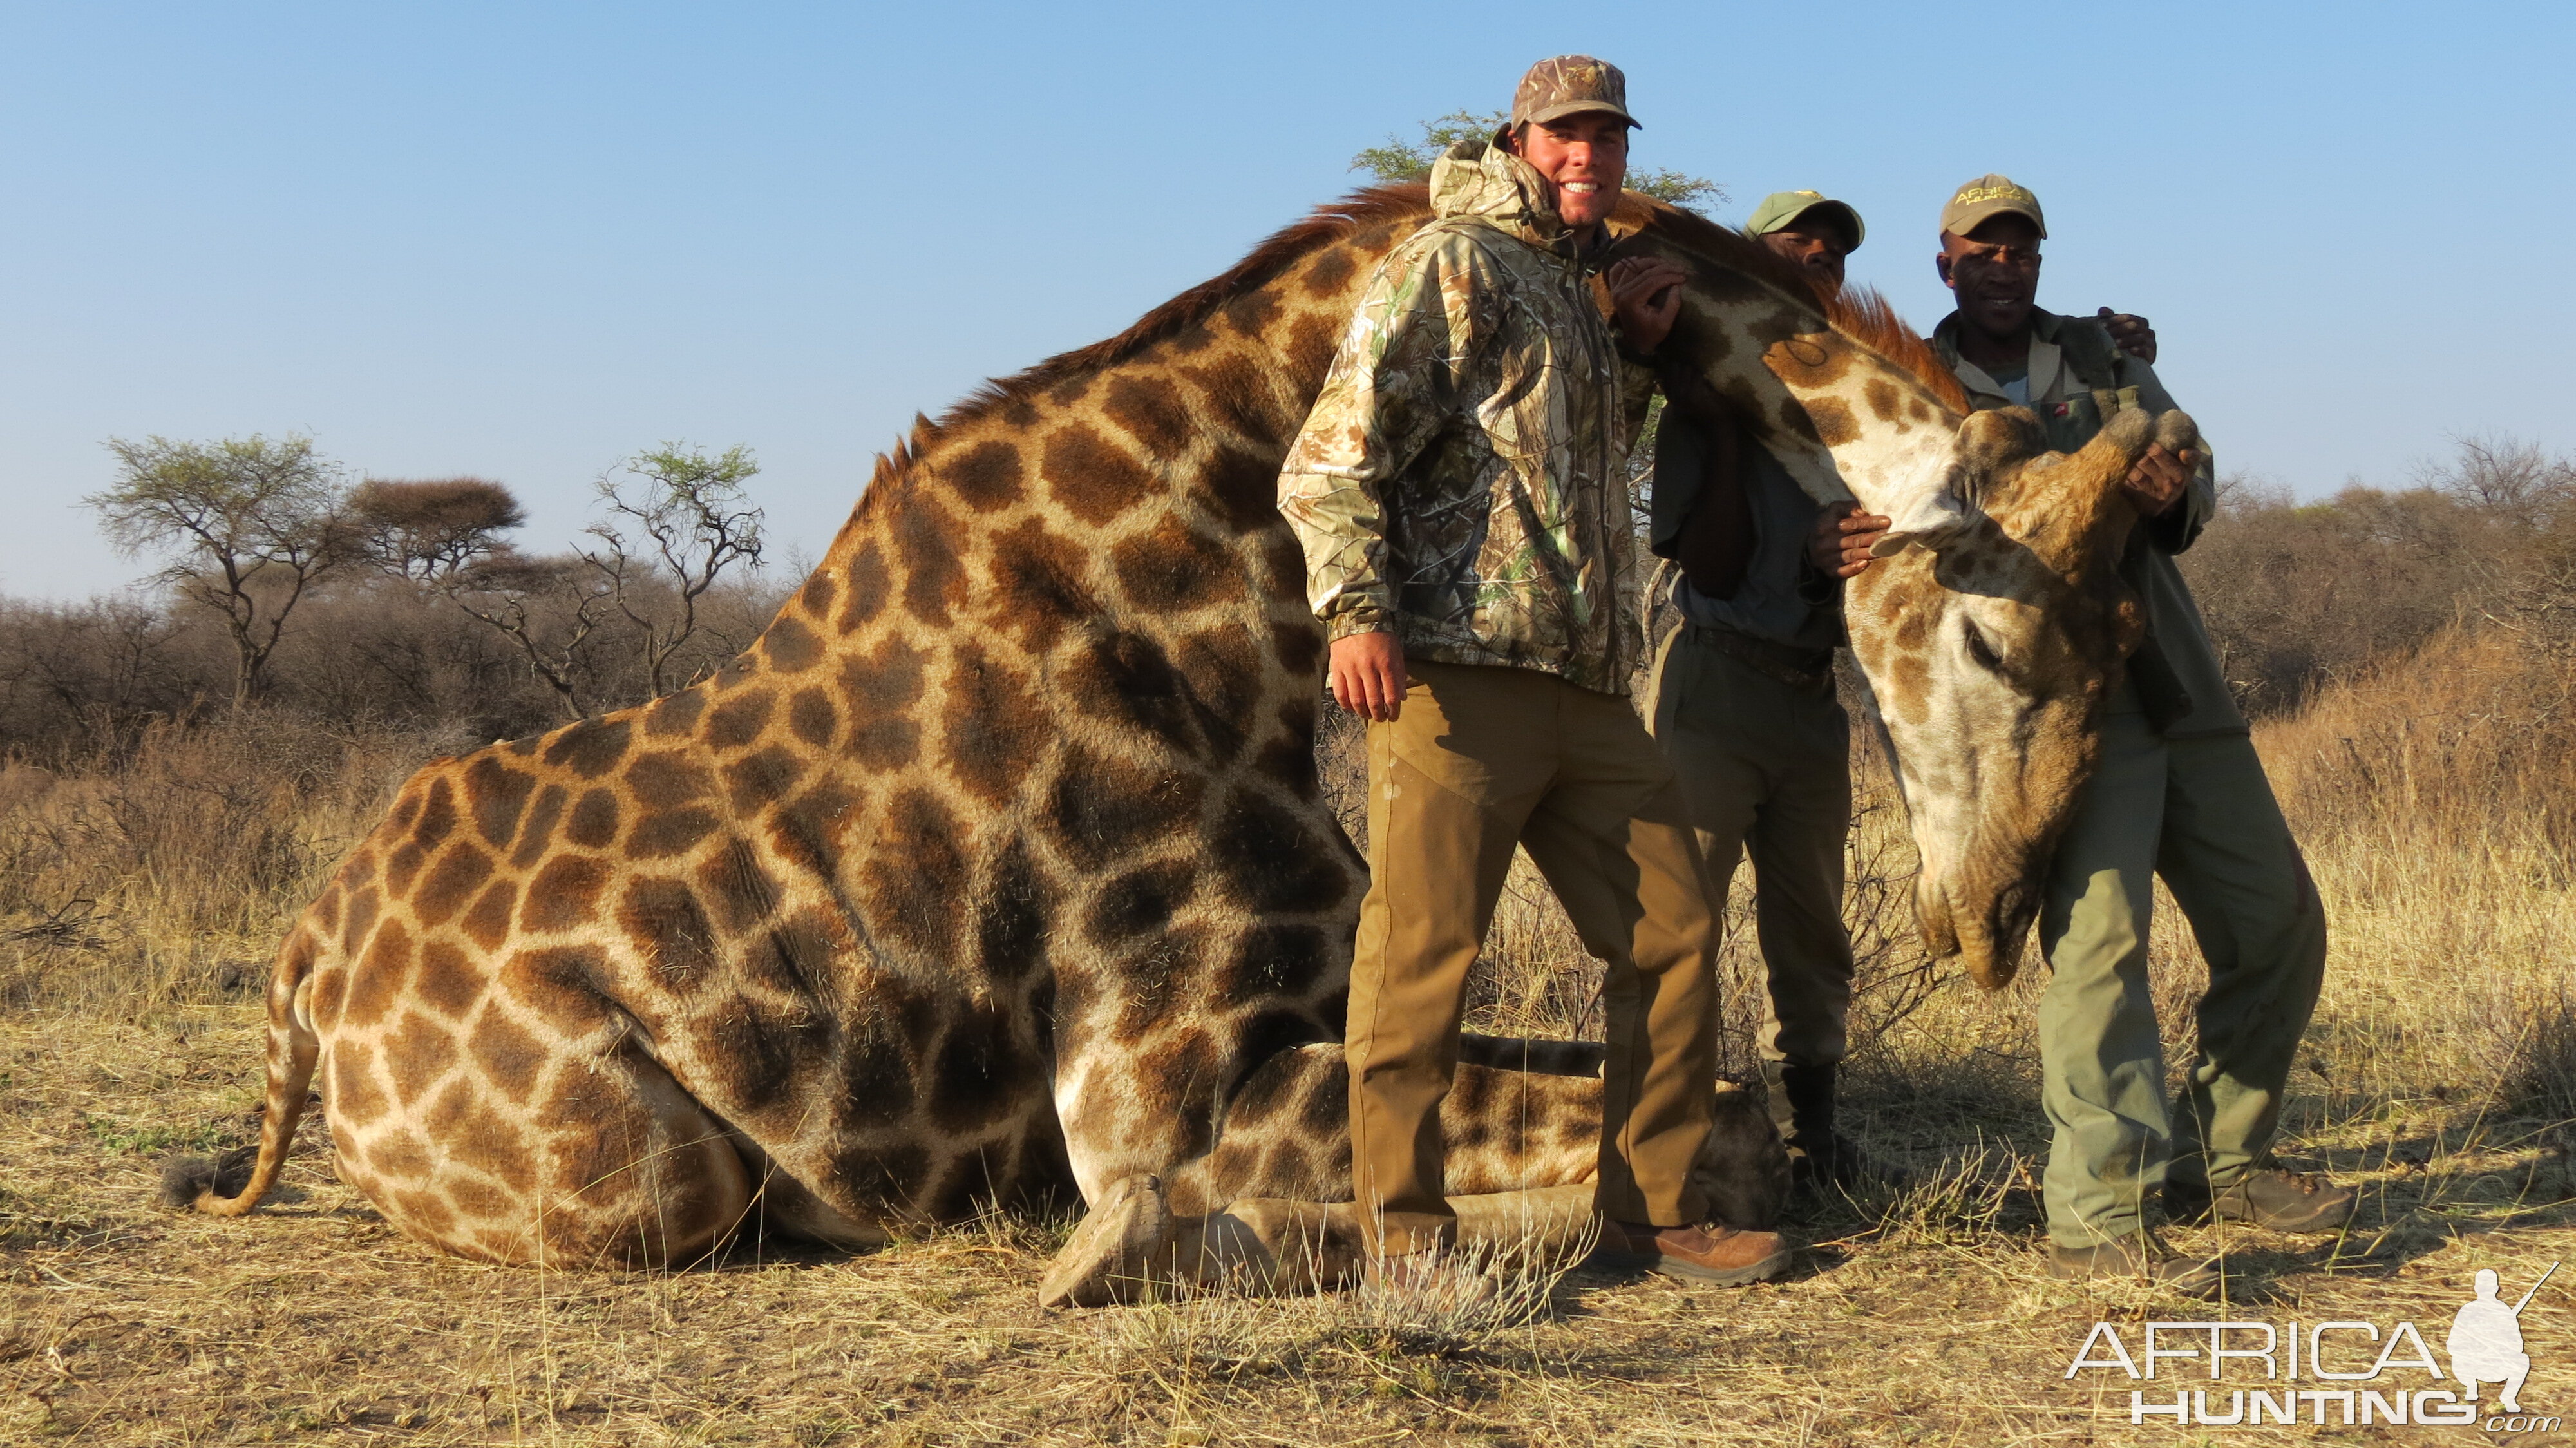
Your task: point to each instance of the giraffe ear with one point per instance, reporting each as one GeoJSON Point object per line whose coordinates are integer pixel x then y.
{"type": "Point", "coordinates": [1932, 522]}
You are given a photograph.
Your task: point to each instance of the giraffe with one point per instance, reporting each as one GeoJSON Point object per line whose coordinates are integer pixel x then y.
{"type": "Point", "coordinates": [1995, 625]}
{"type": "Point", "coordinates": [996, 867]}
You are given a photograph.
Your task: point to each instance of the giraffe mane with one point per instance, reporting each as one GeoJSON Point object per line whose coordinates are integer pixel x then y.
{"type": "Point", "coordinates": [1859, 313]}
{"type": "Point", "coordinates": [1375, 205]}
{"type": "Point", "coordinates": [1399, 201]}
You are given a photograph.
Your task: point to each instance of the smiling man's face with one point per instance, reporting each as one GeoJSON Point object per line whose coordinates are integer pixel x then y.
{"type": "Point", "coordinates": [1584, 158]}
{"type": "Point", "coordinates": [1995, 271]}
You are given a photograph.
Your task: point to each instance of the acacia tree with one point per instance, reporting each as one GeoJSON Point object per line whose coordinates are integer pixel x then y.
{"type": "Point", "coordinates": [691, 522]}
{"type": "Point", "coordinates": [253, 524]}
{"type": "Point", "coordinates": [1402, 160]}
{"type": "Point", "coordinates": [430, 530]}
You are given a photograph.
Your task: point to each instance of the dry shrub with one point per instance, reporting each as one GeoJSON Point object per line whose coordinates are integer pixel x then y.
{"type": "Point", "coordinates": [166, 865]}
{"type": "Point", "coordinates": [2437, 807]}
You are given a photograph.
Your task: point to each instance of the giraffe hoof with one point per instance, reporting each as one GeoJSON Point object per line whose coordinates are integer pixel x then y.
{"type": "Point", "coordinates": [1109, 1257]}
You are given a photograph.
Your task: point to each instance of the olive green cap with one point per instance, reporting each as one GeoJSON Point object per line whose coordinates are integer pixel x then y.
{"type": "Point", "coordinates": [1990, 196]}
{"type": "Point", "coordinates": [1565, 85]}
{"type": "Point", "coordinates": [1781, 209]}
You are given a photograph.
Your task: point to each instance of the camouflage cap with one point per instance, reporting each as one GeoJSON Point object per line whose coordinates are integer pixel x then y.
{"type": "Point", "coordinates": [1781, 209]}
{"type": "Point", "coordinates": [1990, 196]}
{"type": "Point", "coordinates": [1565, 85]}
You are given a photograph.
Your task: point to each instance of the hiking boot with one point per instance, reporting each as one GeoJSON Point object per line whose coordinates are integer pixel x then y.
{"type": "Point", "coordinates": [1726, 1256]}
{"type": "Point", "coordinates": [1820, 1157]}
{"type": "Point", "coordinates": [2138, 1256]}
{"type": "Point", "coordinates": [2284, 1201]}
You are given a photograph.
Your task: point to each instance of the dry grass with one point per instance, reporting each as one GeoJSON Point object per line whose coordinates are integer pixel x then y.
{"type": "Point", "coordinates": [2438, 1078]}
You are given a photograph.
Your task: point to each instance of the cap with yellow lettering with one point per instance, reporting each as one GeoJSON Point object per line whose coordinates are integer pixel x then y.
{"type": "Point", "coordinates": [1990, 196]}
{"type": "Point", "coordinates": [1781, 209]}
{"type": "Point", "coordinates": [1564, 85]}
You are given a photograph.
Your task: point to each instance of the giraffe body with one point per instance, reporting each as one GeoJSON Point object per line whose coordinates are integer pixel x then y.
{"type": "Point", "coordinates": [995, 869]}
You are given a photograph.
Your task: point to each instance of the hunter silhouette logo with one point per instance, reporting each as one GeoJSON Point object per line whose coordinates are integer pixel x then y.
{"type": "Point", "coordinates": [2486, 1342]}
{"type": "Point", "coordinates": [2361, 1375]}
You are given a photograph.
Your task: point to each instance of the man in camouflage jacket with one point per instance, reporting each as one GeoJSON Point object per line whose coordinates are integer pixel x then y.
{"type": "Point", "coordinates": [1459, 494]}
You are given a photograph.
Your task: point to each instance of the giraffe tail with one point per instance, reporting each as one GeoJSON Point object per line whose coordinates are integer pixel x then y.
{"type": "Point", "coordinates": [232, 1184]}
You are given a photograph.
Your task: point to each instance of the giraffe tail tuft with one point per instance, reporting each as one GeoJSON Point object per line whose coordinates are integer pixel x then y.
{"type": "Point", "coordinates": [186, 1179]}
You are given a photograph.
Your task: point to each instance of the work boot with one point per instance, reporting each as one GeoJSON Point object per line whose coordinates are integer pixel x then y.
{"type": "Point", "coordinates": [2140, 1256]}
{"type": "Point", "coordinates": [2284, 1201]}
{"type": "Point", "coordinates": [1820, 1157]}
{"type": "Point", "coordinates": [1726, 1256]}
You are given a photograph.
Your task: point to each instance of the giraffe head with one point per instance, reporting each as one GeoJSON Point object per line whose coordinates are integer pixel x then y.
{"type": "Point", "coordinates": [1992, 645]}
{"type": "Point", "coordinates": [1995, 624]}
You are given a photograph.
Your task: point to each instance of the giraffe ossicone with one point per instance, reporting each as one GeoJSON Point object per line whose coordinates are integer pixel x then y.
{"type": "Point", "coordinates": [997, 868]}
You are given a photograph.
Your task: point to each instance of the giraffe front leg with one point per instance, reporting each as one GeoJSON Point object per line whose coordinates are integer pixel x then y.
{"type": "Point", "coordinates": [1132, 1249]}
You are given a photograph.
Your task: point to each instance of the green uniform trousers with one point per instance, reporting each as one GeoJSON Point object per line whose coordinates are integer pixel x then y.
{"type": "Point", "coordinates": [2199, 812]}
{"type": "Point", "coordinates": [1766, 767]}
{"type": "Point", "coordinates": [1481, 759]}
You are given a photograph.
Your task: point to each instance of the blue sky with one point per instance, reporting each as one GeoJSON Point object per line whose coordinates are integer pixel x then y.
{"type": "Point", "coordinates": [523, 240]}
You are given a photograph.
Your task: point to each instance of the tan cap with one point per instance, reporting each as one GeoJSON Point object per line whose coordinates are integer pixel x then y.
{"type": "Point", "coordinates": [1990, 196]}
{"type": "Point", "coordinates": [1565, 85]}
{"type": "Point", "coordinates": [1779, 209]}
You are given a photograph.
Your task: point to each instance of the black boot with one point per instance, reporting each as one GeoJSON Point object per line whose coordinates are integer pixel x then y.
{"type": "Point", "coordinates": [1802, 1106]}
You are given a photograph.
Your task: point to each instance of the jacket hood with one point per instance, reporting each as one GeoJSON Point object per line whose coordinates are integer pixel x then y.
{"type": "Point", "coordinates": [1481, 179]}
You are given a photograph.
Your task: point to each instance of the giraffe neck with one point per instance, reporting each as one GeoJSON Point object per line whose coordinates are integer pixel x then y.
{"type": "Point", "coordinates": [1060, 655]}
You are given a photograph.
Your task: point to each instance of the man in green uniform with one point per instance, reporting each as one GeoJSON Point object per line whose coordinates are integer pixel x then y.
{"type": "Point", "coordinates": [1744, 705]}
{"type": "Point", "coordinates": [1458, 491]}
{"type": "Point", "coordinates": [2179, 793]}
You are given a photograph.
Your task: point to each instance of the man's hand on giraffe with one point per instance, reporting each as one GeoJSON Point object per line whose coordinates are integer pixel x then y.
{"type": "Point", "coordinates": [1843, 536]}
{"type": "Point", "coordinates": [1368, 675]}
{"type": "Point", "coordinates": [1646, 295]}
{"type": "Point", "coordinates": [2159, 479]}
{"type": "Point", "coordinates": [2131, 334]}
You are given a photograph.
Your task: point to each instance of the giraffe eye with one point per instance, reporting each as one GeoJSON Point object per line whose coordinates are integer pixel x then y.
{"type": "Point", "coordinates": [1985, 653]}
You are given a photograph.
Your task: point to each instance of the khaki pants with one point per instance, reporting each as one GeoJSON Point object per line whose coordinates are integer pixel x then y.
{"type": "Point", "coordinates": [1483, 759]}
{"type": "Point", "coordinates": [1766, 766]}
{"type": "Point", "coordinates": [2200, 813]}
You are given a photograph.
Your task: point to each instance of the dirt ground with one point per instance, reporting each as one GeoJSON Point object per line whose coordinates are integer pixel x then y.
{"type": "Point", "coordinates": [1913, 1319]}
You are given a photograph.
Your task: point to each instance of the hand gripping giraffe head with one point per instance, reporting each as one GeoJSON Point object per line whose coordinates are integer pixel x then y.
{"type": "Point", "coordinates": [1996, 624]}
{"type": "Point", "coordinates": [1992, 647]}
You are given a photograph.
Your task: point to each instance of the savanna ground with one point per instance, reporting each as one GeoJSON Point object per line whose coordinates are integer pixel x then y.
{"type": "Point", "coordinates": [2441, 1076]}
{"type": "Point", "coordinates": [2413, 657]}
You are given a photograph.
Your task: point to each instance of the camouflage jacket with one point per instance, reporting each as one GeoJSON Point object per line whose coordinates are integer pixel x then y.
{"type": "Point", "coordinates": [1460, 482]}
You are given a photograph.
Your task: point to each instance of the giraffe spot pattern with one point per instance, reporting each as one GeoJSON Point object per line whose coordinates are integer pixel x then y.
{"type": "Point", "coordinates": [934, 586]}
{"type": "Point", "coordinates": [1090, 477]}
{"type": "Point", "coordinates": [537, 835]}
{"type": "Point", "coordinates": [1151, 415]}
{"type": "Point", "coordinates": [461, 871]}
{"type": "Point", "coordinates": [986, 475]}
{"type": "Point", "coordinates": [496, 793]}
{"type": "Point", "coordinates": [790, 646]}
{"type": "Point", "coordinates": [670, 931]}
{"type": "Point", "coordinates": [594, 821]}
{"type": "Point", "coordinates": [812, 717]}
{"type": "Point", "coordinates": [1173, 567]}
{"type": "Point", "coordinates": [1831, 418]}
{"type": "Point", "coordinates": [488, 923]}
{"type": "Point", "coordinates": [675, 716]}
{"type": "Point", "coordinates": [592, 748]}
{"type": "Point", "coordinates": [564, 895]}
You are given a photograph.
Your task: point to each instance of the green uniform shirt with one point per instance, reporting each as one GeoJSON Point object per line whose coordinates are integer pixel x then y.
{"type": "Point", "coordinates": [2076, 378]}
